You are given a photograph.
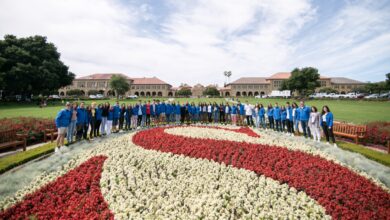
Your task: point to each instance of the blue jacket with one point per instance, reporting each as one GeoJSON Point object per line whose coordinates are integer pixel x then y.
{"type": "Point", "coordinates": [283, 115]}
{"type": "Point", "coordinates": [63, 118]}
{"type": "Point", "coordinates": [82, 116]}
{"type": "Point", "coordinates": [98, 113]}
{"type": "Point", "coordinates": [242, 110]}
{"type": "Point", "coordinates": [168, 109]}
{"type": "Point", "coordinates": [289, 109]}
{"type": "Point", "coordinates": [177, 109]}
{"type": "Point", "coordinates": [277, 113]}
{"type": "Point", "coordinates": [329, 119]}
{"type": "Point", "coordinates": [261, 112]}
{"type": "Point", "coordinates": [143, 109]}
{"type": "Point", "coordinates": [234, 110]}
{"type": "Point", "coordinates": [162, 108]}
{"type": "Point", "coordinates": [270, 112]}
{"type": "Point", "coordinates": [117, 112]}
{"type": "Point", "coordinates": [110, 116]}
{"type": "Point", "coordinates": [135, 110]}
{"type": "Point", "coordinates": [128, 113]}
{"type": "Point", "coordinates": [304, 113]}
{"type": "Point", "coordinates": [296, 114]}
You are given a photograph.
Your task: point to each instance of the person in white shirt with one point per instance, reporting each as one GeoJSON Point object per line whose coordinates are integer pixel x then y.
{"type": "Point", "coordinates": [248, 114]}
{"type": "Point", "coordinates": [314, 124]}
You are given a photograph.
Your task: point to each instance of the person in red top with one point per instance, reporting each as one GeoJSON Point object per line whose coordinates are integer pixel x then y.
{"type": "Point", "coordinates": [148, 114]}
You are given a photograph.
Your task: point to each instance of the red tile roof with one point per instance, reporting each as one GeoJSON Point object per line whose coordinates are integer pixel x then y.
{"type": "Point", "coordinates": [102, 76]}
{"type": "Point", "coordinates": [343, 80]}
{"type": "Point", "coordinates": [148, 81]}
{"type": "Point", "coordinates": [250, 80]}
{"type": "Point", "coordinates": [286, 75]}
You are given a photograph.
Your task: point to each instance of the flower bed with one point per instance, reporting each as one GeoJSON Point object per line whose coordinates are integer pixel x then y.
{"type": "Point", "coordinates": [203, 172]}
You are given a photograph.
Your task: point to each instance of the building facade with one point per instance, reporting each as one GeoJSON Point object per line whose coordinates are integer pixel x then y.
{"type": "Point", "coordinates": [253, 86]}
{"type": "Point", "coordinates": [99, 83]}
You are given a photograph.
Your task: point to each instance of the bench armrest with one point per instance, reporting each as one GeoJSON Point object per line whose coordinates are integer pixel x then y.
{"type": "Point", "coordinates": [21, 136]}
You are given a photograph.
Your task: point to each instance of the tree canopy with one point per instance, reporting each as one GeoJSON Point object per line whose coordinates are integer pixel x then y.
{"type": "Point", "coordinates": [211, 91]}
{"type": "Point", "coordinates": [303, 80]}
{"type": "Point", "coordinates": [119, 84]}
{"type": "Point", "coordinates": [184, 92]}
{"type": "Point", "coordinates": [31, 65]}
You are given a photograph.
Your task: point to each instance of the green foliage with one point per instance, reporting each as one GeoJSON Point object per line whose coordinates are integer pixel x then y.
{"type": "Point", "coordinates": [388, 80]}
{"type": "Point", "coordinates": [119, 84]}
{"type": "Point", "coordinates": [379, 157]}
{"type": "Point", "coordinates": [304, 80]}
{"type": "Point", "coordinates": [378, 87]}
{"type": "Point", "coordinates": [75, 92]}
{"type": "Point", "coordinates": [184, 92]}
{"type": "Point", "coordinates": [328, 90]}
{"type": "Point", "coordinates": [211, 91]}
{"type": "Point", "coordinates": [9, 162]}
{"type": "Point", "coordinates": [31, 66]}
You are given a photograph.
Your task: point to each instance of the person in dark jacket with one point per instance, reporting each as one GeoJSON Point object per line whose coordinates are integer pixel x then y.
{"type": "Point", "coordinates": [122, 116]}
{"type": "Point", "coordinates": [128, 114]}
{"type": "Point", "coordinates": [99, 111]}
{"type": "Point", "coordinates": [105, 109]}
{"type": "Point", "coordinates": [62, 122]}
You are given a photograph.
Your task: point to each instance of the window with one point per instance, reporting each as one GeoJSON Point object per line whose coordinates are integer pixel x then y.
{"type": "Point", "coordinates": [323, 83]}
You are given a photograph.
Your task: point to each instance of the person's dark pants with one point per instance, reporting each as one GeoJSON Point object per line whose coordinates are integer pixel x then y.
{"type": "Point", "coordinates": [82, 130]}
{"type": "Point", "coordinates": [222, 117]}
{"type": "Point", "coordinates": [290, 126]}
{"type": "Point", "coordinates": [96, 132]}
{"type": "Point", "coordinates": [168, 118]}
{"type": "Point", "coordinates": [147, 119]}
{"type": "Point", "coordinates": [278, 125]}
{"type": "Point", "coordinates": [271, 122]}
{"type": "Point", "coordinates": [115, 124]}
{"type": "Point", "coordinates": [121, 122]}
{"type": "Point", "coordinates": [305, 128]}
{"type": "Point", "coordinates": [128, 123]}
{"type": "Point", "coordinates": [283, 125]}
{"type": "Point", "coordinates": [328, 132]}
{"type": "Point", "coordinates": [210, 116]}
{"type": "Point", "coordinates": [92, 123]}
{"type": "Point", "coordinates": [139, 120]}
{"type": "Point", "coordinates": [249, 120]}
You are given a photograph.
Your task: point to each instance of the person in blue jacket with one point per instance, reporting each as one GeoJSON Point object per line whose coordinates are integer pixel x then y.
{"type": "Point", "coordinates": [115, 120]}
{"type": "Point", "coordinates": [177, 113]}
{"type": "Point", "coordinates": [270, 114]}
{"type": "Point", "coordinates": [168, 112]}
{"type": "Point", "coordinates": [62, 122]}
{"type": "Point", "coordinates": [234, 114]}
{"type": "Point", "coordinates": [261, 113]}
{"type": "Point", "coordinates": [143, 107]}
{"type": "Point", "coordinates": [134, 116]}
{"type": "Point", "coordinates": [304, 115]}
{"type": "Point", "coordinates": [326, 123]}
{"type": "Point", "coordinates": [128, 114]}
{"type": "Point", "coordinates": [163, 109]}
{"type": "Point", "coordinates": [295, 114]}
{"type": "Point", "coordinates": [289, 118]}
{"type": "Point", "coordinates": [277, 117]}
{"type": "Point", "coordinates": [139, 113]}
{"type": "Point", "coordinates": [242, 114]}
{"type": "Point", "coordinates": [99, 112]}
{"type": "Point", "coordinates": [283, 118]}
{"type": "Point", "coordinates": [82, 122]}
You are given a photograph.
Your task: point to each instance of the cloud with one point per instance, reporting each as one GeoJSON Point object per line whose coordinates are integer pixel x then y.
{"type": "Point", "coordinates": [195, 41]}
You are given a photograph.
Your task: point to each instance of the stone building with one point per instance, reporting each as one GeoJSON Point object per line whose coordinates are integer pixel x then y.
{"type": "Point", "coordinates": [100, 82]}
{"type": "Point", "coordinates": [253, 86]}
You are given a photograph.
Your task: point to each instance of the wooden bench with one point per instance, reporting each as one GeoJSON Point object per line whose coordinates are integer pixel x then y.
{"type": "Point", "coordinates": [355, 132]}
{"type": "Point", "coordinates": [10, 138]}
{"type": "Point", "coordinates": [50, 132]}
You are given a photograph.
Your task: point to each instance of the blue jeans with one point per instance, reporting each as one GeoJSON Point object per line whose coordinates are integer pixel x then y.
{"type": "Point", "coordinates": [71, 131]}
{"type": "Point", "coordinates": [278, 125]}
{"type": "Point", "coordinates": [271, 122]}
{"type": "Point", "coordinates": [262, 121]}
{"type": "Point", "coordinates": [305, 128]}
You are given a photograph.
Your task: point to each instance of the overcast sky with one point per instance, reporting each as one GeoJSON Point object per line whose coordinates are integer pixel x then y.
{"type": "Point", "coordinates": [196, 41]}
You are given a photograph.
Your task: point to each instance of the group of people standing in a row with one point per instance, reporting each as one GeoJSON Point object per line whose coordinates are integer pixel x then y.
{"type": "Point", "coordinates": [78, 121]}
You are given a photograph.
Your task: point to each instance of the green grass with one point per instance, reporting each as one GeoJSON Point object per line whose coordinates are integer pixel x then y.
{"type": "Point", "coordinates": [379, 157]}
{"type": "Point", "coordinates": [11, 161]}
{"type": "Point", "coordinates": [355, 111]}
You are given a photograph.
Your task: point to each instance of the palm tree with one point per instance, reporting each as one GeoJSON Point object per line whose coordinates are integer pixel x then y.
{"type": "Point", "coordinates": [227, 74]}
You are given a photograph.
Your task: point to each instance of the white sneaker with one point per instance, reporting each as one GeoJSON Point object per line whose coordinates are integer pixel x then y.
{"type": "Point", "coordinates": [64, 149]}
{"type": "Point", "coordinates": [334, 145]}
{"type": "Point", "coordinates": [327, 143]}
{"type": "Point", "coordinates": [57, 150]}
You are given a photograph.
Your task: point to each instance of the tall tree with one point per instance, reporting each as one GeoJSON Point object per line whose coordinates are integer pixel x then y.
{"type": "Point", "coordinates": [184, 92]}
{"type": "Point", "coordinates": [387, 81]}
{"type": "Point", "coordinates": [211, 91]}
{"type": "Point", "coordinates": [119, 84]}
{"type": "Point", "coordinates": [31, 65]}
{"type": "Point", "coordinates": [303, 80]}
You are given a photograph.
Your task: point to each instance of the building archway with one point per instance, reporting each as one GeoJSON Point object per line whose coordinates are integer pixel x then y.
{"type": "Point", "coordinates": [62, 94]}
{"type": "Point", "coordinates": [110, 93]}
{"type": "Point", "coordinates": [238, 94]}
{"type": "Point", "coordinates": [147, 93]}
{"type": "Point", "coordinates": [159, 94]}
{"type": "Point", "coordinates": [82, 92]}
{"type": "Point", "coordinates": [227, 93]}
{"type": "Point", "coordinates": [153, 94]}
{"type": "Point", "coordinates": [250, 94]}
{"type": "Point", "coordinates": [101, 92]}
{"type": "Point", "coordinates": [142, 93]}
{"type": "Point", "coordinates": [256, 93]}
{"type": "Point", "coordinates": [136, 93]}
{"type": "Point", "coordinates": [342, 93]}
{"type": "Point", "coordinates": [262, 93]}
{"type": "Point", "coordinates": [243, 93]}
{"type": "Point", "coordinates": [170, 94]}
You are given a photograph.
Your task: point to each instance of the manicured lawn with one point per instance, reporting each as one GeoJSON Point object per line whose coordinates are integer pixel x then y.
{"type": "Point", "coordinates": [355, 111]}
{"type": "Point", "coordinates": [379, 157]}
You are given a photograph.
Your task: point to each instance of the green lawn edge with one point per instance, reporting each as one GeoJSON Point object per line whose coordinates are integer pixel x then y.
{"type": "Point", "coordinates": [14, 160]}
{"type": "Point", "coordinates": [383, 158]}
